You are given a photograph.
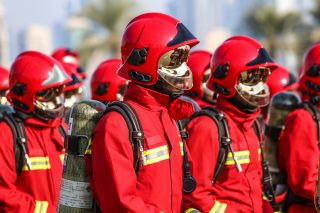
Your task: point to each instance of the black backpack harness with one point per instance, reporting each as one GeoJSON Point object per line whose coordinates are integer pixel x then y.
{"type": "Point", "coordinates": [20, 142]}
{"type": "Point", "coordinates": [136, 136]}
{"type": "Point", "coordinates": [225, 146]}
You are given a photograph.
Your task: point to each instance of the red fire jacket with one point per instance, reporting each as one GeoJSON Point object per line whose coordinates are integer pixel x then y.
{"type": "Point", "coordinates": [298, 155]}
{"type": "Point", "coordinates": [35, 190]}
{"type": "Point", "coordinates": [234, 191]}
{"type": "Point", "coordinates": [158, 186]}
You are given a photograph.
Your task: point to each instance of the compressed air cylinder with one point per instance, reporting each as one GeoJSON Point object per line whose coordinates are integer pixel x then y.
{"type": "Point", "coordinates": [280, 106]}
{"type": "Point", "coordinates": [76, 194]}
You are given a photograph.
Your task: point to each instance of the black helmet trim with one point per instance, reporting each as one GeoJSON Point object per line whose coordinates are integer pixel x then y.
{"type": "Point", "coordinates": [75, 80]}
{"type": "Point", "coordinates": [102, 88]}
{"type": "Point", "coordinates": [291, 81]}
{"type": "Point", "coordinates": [183, 34]}
{"type": "Point", "coordinates": [262, 58]}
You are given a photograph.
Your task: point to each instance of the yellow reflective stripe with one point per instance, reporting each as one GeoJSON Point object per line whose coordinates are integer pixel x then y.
{"type": "Point", "coordinates": [88, 149]}
{"type": "Point", "coordinates": [192, 210]}
{"type": "Point", "coordinates": [62, 158]}
{"type": "Point", "coordinates": [181, 148]}
{"type": "Point", "coordinates": [157, 154]}
{"type": "Point", "coordinates": [38, 163]}
{"type": "Point", "coordinates": [243, 157]}
{"type": "Point", "coordinates": [41, 206]}
{"type": "Point", "coordinates": [218, 207]}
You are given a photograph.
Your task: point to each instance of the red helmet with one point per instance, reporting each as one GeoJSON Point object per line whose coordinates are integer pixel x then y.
{"type": "Point", "coordinates": [106, 85]}
{"type": "Point", "coordinates": [241, 65]}
{"type": "Point", "coordinates": [310, 74]}
{"type": "Point", "coordinates": [280, 80]}
{"type": "Point", "coordinates": [4, 79]}
{"type": "Point", "coordinates": [71, 57]}
{"type": "Point", "coordinates": [4, 85]}
{"type": "Point", "coordinates": [35, 82]}
{"type": "Point", "coordinates": [199, 63]}
{"type": "Point", "coordinates": [152, 41]}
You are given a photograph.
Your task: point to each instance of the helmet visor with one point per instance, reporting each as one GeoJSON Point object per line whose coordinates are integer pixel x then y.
{"type": "Point", "coordinates": [174, 70]}
{"type": "Point", "coordinates": [252, 88]}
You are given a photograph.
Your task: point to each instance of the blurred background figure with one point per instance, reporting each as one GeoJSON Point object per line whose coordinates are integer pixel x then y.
{"type": "Point", "coordinates": [70, 57]}
{"type": "Point", "coordinates": [4, 85]}
{"type": "Point", "coordinates": [199, 63]}
{"type": "Point", "coordinates": [106, 85]}
{"type": "Point", "coordinates": [74, 89]}
{"type": "Point", "coordinates": [280, 80]}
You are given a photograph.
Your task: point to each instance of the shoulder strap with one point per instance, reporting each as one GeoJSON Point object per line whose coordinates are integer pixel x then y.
{"type": "Point", "coordinates": [19, 140]}
{"type": "Point", "coordinates": [267, 180]}
{"type": "Point", "coordinates": [224, 139]}
{"type": "Point", "coordinates": [135, 131]}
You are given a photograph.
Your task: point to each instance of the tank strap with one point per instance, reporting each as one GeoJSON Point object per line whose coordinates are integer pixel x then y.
{"type": "Point", "coordinates": [136, 134]}
{"type": "Point", "coordinates": [20, 140]}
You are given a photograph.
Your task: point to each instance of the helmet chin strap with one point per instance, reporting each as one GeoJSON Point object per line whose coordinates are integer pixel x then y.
{"type": "Point", "coordinates": [242, 105]}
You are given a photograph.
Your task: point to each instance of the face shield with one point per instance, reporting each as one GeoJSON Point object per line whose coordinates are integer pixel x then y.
{"type": "Point", "coordinates": [3, 98]}
{"type": "Point", "coordinates": [252, 88]}
{"type": "Point", "coordinates": [72, 96]}
{"type": "Point", "coordinates": [208, 94]}
{"type": "Point", "coordinates": [173, 68]}
{"type": "Point", "coordinates": [49, 103]}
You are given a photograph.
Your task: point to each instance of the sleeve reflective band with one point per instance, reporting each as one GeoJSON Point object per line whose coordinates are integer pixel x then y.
{"type": "Point", "coordinates": [38, 163]}
{"type": "Point", "coordinates": [41, 206]}
{"type": "Point", "coordinates": [192, 210]}
{"type": "Point", "coordinates": [218, 207]}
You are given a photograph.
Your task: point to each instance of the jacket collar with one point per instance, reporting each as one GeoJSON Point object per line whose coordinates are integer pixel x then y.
{"type": "Point", "coordinates": [242, 119]}
{"type": "Point", "coordinates": [146, 97]}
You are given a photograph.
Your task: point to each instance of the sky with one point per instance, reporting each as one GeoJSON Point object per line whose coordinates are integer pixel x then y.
{"type": "Point", "coordinates": [20, 14]}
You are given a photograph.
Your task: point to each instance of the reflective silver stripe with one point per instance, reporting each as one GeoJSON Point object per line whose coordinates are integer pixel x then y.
{"type": "Point", "coordinates": [157, 154]}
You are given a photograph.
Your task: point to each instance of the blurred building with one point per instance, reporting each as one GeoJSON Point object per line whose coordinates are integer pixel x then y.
{"type": "Point", "coordinates": [38, 37]}
{"type": "Point", "coordinates": [4, 38]}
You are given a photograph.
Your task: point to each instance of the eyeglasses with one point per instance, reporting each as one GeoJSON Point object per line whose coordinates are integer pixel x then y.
{"type": "Point", "coordinates": [254, 76]}
{"type": "Point", "coordinates": [174, 58]}
{"type": "Point", "coordinates": [48, 94]}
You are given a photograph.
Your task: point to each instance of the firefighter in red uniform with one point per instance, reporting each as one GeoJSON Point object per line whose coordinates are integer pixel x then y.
{"type": "Point", "coordinates": [4, 85]}
{"type": "Point", "coordinates": [279, 80]}
{"type": "Point", "coordinates": [199, 63]}
{"type": "Point", "coordinates": [106, 85]}
{"type": "Point", "coordinates": [74, 89]}
{"type": "Point", "coordinates": [154, 49]}
{"type": "Point", "coordinates": [239, 68]}
{"type": "Point", "coordinates": [298, 151]}
{"type": "Point", "coordinates": [70, 57]}
{"type": "Point", "coordinates": [36, 84]}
